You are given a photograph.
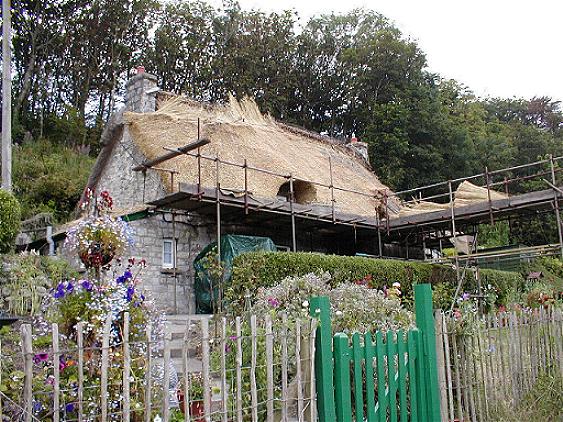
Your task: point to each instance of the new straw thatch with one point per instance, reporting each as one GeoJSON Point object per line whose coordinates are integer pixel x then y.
{"type": "Point", "coordinates": [466, 194]}
{"type": "Point", "coordinates": [238, 131]}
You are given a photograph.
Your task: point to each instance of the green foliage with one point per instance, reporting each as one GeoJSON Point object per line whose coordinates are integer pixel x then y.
{"type": "Point", "coordinates": [25, 280]}
{"type": "Point", "coordinates": [491, 236]}
{"type": "Point", "coordinates": [49, 178]}
{"type": "Point", "coordinates": [337, 74]}
{"type": "Point", "coordinates": [10, 213]}
{"type": "Point", "coordinates": [265, 269]}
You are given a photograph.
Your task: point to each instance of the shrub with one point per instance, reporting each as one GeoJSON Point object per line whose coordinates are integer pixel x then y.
{"type": "Point", "coordinates": [264, 269]}
{"type": "Point", "coordinates": [25, 279]}
{"type": "Point", "coordinates": [10, 214]}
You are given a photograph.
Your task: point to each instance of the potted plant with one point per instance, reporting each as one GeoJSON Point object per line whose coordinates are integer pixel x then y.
{"type": "Point", "coordinates": [100, 237]}
{"type": "Point", "coordinates": [195, 399]}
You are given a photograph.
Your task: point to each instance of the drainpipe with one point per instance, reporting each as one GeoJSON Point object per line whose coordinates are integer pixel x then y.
{"type": "Point", "coordinates": [50, 240]}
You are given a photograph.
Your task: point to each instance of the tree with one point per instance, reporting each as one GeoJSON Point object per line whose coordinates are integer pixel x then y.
{"type": "Point", "coordinates": [10, 212]}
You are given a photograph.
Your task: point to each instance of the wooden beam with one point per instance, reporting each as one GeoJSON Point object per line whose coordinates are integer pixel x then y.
{"type": "Point", "coordinates": [171, 154]}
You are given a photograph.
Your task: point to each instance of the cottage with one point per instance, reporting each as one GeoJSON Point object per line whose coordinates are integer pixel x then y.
{"type": "Point", "coordinates": [184, 172]}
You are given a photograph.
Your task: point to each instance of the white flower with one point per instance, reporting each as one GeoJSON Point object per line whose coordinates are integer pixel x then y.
{"type": "Point", "coordinates": [157, 418]}
{"type": "Point", "coordinates": [338, 313]}
{"type": "Point", "coordinates": [305, 304]}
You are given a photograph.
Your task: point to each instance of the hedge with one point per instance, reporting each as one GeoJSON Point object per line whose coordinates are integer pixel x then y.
{"type": "Point", "coordinates": [10, 213]}
{"type": "Point", "coordinates": [264, 269]}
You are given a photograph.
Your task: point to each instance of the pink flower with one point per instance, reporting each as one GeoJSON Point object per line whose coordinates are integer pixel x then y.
{"type": "Point", "coordinates": [273, 302]}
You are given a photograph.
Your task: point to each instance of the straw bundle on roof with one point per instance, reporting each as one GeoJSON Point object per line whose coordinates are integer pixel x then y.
{"type": "Point", "coordinates": [419, 207]}
{"type": "Point", "coordinates": [239, 132]}
{"type": "Point", "coordinates": [468, 193]}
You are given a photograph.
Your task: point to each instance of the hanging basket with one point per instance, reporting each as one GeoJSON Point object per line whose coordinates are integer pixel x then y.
{"type": "Point", "coordinates": [97, 255]}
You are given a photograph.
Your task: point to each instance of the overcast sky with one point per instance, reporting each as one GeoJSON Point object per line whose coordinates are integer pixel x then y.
{"type": "Point", "coordinates": [495, 47]}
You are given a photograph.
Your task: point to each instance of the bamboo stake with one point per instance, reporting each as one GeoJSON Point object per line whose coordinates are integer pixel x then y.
{"type": "Point", "coordinates": [457, 379]}
{"type": "Point", "coordinates": [298, 370]}
{"type": "Point", "coordinates": [448, 369]}
{"type": "Point", "coordinates": [205, 369]}
{"type": "Point", "coordinates": [166, 378]}
{"type": "Point", "coordinates": [80, 341]}
{"type": "Point", "coordinates": [269, 370]}
{"type": "Point", "coordinates": [148, 375]}
{"type": "Point", "coordinates": [441, 365]}
{"type": "Point", "coordinates": [478, 400]}
{"type": "Point", "coordinates": [185, 369]}
{"type": "Point", "coordinates": [284, 367]}
{"type": "Point", "coordinates": [126, 370]}
{"type": "Point", "coordinates": [253, 388]}
{"type": "Point", "coordinates": [56, 373]}
{"type": "Point", "coordinates": [104, 370]}
{"type": "Point", "coordinates": [239, 369]}
{"type": "Point", "coordinates": [484, 373]}
{"type": "Point", "coordinates": [27, 350]}
{"type": "Point", "coordinates": [312, 391]}
{"type": "Point", "coordinates": [463, 364]}
{"type": "Point", "coordinates": [224, 396]}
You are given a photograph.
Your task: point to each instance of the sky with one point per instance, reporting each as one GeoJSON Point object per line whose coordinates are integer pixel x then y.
{"type": "Point", "coordinates": [497, 48]}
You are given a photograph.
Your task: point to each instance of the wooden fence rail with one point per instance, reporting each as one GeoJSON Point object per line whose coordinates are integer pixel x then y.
{"type": "Point", "coordinates": [250, 369]}
{"type": "Point", "coordinates": [256, 369]}
{"type": "Point", "coordinates": [487, 364]}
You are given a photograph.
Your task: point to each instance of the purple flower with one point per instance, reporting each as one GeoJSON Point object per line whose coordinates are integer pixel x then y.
{"type": "Point", "coordinates": [87, 285]}
{"type": "Point", "coordinates": [273, 302]}
{"type": "Point", "coordinates": [128, 274]}
{"type": "Point", "coordinates": [129, 294]}
{"type": "Point", "coordinates": [120, 280]}
{"type": "Point", "coordinates": [37, 406]}
{"type": "Point", "coordinates": [69, 287]}
{"type": "Point", "coordinates": [40, 357]}
{"type": "Point", "coordinates": [465, 296]}
{"type": "Point", "coordinates": [59, 291]}
{"type": "Point", "coordinates": [69, 407]}
{"type": "Point", "coordinates": [62, 363]}
{"type": "Point", "coordinates": [232, 338]}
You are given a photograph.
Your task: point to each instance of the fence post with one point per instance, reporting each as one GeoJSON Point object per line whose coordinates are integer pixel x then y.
{"type": "Point", "coordinates": [320, 308]}
{"type": "Point", "coordinates": [425, 325]}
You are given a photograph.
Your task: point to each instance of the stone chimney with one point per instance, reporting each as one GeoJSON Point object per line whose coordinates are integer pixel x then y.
{"type": "Point", "coordinates": [359, 148]}
{"type": "Point", "coordinates": [140, 92]}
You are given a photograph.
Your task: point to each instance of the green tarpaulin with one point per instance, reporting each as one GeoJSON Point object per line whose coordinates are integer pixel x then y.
{"type": "Point", "coordinates": [208, 273]}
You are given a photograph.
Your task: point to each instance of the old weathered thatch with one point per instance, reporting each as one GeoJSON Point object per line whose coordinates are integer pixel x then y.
{"type": "Point", "coordinates": [238, 131]}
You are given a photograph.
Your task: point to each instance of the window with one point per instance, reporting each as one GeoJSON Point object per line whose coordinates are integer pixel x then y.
{"type": "Point", "coordinates": [168, 253]}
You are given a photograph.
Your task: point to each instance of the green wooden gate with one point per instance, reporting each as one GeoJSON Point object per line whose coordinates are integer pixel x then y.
{"type": "Point", "coordinates": [377, 378]}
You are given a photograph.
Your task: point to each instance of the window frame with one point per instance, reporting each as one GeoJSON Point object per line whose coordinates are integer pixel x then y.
{"type": "Point", "coordinates": [172, 242]}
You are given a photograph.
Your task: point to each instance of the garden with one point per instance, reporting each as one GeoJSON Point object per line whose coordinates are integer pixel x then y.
{"type": "Point", "coordinates": [92, 346]}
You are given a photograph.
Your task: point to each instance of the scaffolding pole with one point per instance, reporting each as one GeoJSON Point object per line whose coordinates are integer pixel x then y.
{"type": "Point", "coordinates": [556, 203]}
{"type": "Point", "coordinates": [293, 238]}
{"type": "Point", "coordinates": [454, 235]}
{"type": "Point", "coordinates": [488, 181]}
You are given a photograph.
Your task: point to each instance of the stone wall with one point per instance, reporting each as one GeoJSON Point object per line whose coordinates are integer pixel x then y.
{"type": "Point", "coordinates": [129, 188]}
{"type": "Point", "coordinates": [173, 295]}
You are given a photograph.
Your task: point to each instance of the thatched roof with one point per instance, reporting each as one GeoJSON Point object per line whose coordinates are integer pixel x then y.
{"type": "Point", "coordinates": [466, 194]}
{"type": "Point", "coordinates": [237, 132]}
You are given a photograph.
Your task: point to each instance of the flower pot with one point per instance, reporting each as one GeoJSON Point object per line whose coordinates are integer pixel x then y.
{"type": "Point", "coordinates": [96, 255]}
{"type": "Point", "coordinates": [196, 408]}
